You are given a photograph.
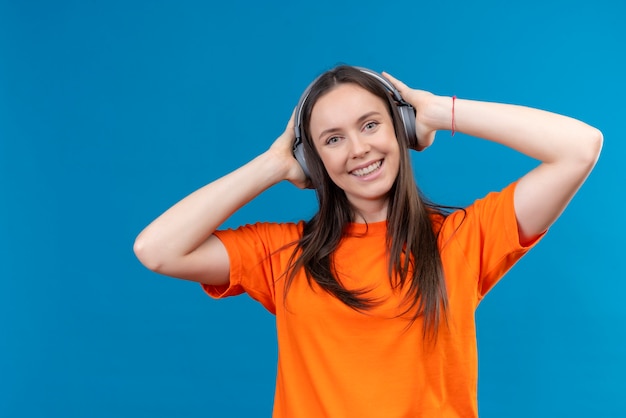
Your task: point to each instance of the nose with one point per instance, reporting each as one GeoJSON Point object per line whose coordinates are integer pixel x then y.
{"type": "Point", "coordinates": [359, 146]}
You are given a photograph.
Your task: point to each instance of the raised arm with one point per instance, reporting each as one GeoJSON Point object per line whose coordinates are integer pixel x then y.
{"type": "Point", "coordinates": [179, 243]}
{"type": "Point", "coordinates": [567, 148]}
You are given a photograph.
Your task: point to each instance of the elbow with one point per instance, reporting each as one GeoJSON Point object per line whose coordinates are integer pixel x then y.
{"type": "Point", "coordinates": [596, 139]}
{"type": "Point", "coordinates": [590, 151]}
{"type": "Point", "coordinates": [147, 255]}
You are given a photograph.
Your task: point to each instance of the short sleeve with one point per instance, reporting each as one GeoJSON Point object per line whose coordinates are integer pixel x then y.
{"type": "Point", "coordinates": [486, 233]}
{"type": "Point", "coordinates": [258, 256]}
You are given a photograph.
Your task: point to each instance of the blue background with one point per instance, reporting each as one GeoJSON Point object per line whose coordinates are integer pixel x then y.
{"type": "Point", "coordinates": [111, 111]}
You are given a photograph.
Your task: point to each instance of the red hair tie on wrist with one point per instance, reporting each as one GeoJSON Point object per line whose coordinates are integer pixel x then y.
{"type": "Point", "coordinates": [453, 121]}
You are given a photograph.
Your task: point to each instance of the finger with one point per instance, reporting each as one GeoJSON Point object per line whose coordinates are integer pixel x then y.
{"type": "Point", "coordinates": [291, 122]}
{"type": "Point", "coordinates": [399, 85]}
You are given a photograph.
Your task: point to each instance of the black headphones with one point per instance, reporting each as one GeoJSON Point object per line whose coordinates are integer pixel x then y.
{"type": "Point", "coordinates": [407, 115]}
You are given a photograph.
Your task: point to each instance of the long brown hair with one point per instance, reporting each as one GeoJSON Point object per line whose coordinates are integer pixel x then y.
{"type": "Point", "coordinates": [410, 230]}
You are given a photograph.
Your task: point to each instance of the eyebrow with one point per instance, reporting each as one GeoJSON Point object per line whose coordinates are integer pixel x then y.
{"type": "Point", "coordinates": [359, 121]}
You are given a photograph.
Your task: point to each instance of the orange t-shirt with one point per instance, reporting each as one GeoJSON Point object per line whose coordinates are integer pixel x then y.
{"type": "Point", "coordinates": [336, 362]}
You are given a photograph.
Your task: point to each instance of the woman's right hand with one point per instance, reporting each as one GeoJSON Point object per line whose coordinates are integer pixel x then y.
{"type": "Point", "coordinates": [282, 150]}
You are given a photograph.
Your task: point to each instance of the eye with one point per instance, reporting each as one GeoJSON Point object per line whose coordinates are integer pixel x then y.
{"type": "Point", "coordinates": [370, 125]}
{"type": "Point", "coordinates": [332, 140]}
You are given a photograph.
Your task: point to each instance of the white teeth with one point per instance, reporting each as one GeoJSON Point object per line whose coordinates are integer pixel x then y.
{"type": "Point", "coordinates": [365, 171]}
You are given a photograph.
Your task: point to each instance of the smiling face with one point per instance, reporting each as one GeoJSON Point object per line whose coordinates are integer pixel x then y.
{"type": "Point", "coordinates": [354, 136]}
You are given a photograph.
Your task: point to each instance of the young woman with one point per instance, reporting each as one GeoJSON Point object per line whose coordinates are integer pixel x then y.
{"type": "Point", "coordinates": [374, 296]}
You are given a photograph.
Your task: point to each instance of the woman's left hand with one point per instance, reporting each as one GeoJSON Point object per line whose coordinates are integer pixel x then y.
{"type": "Point", "coordinates": [423, 102]}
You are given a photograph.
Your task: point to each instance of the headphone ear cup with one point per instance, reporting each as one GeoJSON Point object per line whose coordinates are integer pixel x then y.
{"type": "Point", "coordinates": [407, 113]}
{"type": "Point", "coordinates": [298, 152]}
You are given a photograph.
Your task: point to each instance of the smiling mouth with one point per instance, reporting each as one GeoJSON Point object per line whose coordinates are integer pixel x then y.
{"type": "Point", "coordinates": [367, 170]}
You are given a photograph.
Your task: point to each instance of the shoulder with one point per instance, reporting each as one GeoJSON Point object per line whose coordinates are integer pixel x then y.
{"type": "Point", "coordinates": [495, 210]}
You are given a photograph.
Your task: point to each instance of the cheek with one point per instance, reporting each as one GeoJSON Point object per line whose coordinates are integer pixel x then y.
{"type": "Point", "coordinates": [395, 157]}
{"type": "Point", "coordinates": [330, 159]}
{"type": "Point", "coordinates": [333, 168]}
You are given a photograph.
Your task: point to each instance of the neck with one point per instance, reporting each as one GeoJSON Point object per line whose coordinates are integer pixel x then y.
{"type": "Point", "coordinates": [369, 211]}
